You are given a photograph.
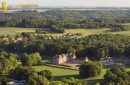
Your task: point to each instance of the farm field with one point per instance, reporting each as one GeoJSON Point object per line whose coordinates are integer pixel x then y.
{"type": "Point", "coordinates": [85, 32]}
{"type": "Point", "coordinates": [14, 31]}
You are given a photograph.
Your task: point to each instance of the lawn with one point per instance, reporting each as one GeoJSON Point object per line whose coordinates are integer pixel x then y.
{"type": "Point", "coordinates": [64, 71]}
{"type": "Point", "coordinates": [58, 70]}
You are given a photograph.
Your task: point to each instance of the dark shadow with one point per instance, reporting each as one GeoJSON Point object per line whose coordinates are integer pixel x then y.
{"type": "Point", "coordinates": [112, 66]}
{"type": "Point", "coordinates": [60, 66]}
{"type": "Point", "coordinates": [94, 81]}
{"type": "Point", "coordinates": [66, 76]}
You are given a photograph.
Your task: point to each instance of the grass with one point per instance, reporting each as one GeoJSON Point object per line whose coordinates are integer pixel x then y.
{"type": "Point", "coordinates": [85, 32]}
{"type": "Point", "coordinates": [122, 32]}
{"type": "Point", "coordinates": [58, 70]}
{"type": "Point", "coordinates": [14, 31]}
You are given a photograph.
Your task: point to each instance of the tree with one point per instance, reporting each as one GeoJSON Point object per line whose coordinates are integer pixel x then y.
{"type": "Point", "coordinates": [46, 73]}
{"type": "Point", "coordinates": [31, 59]}
{"type": "Point", "coordinates": [21, 73]}
{"type": "Point", "coordinates": [90, 69]}
{"type": "Point", "coordinates": [8, 61]}
{"type": "Point", "coordinates": [117, 76]}
{"type": "Point", "coordinates": [13, 60]}
{"type": "Point", "coordinates": [101, 53]}
{"type": "Point", "coordinates": [36, 79]}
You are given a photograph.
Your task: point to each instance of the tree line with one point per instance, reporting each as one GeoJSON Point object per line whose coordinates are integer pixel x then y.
{"type": "Point", "coordinates": [94, 46]}
{"type": "Point", "coordinates": [58, 20]}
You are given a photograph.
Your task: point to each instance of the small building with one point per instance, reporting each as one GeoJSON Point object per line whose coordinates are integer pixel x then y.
{"type": "Point", "coordinates": [63, 58]}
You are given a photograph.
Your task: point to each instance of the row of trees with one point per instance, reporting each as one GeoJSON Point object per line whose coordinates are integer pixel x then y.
{"type": "Point", "coordinates": [119, 27]}
{"type": "Point", "coordinates": [57, 21]}
{"type": "Point", "coordinates": [93, 46]}
{"type": "Point", "coordinates": [9, 61]}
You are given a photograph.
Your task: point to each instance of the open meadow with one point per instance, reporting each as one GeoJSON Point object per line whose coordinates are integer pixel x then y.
{"type": "Point", "coordinates": [84, 32]}
{"type": "Point", "coordinates": [14, 31]}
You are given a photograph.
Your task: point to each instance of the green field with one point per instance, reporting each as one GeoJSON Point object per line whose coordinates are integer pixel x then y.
{"type": "Point", "coordinates": [122, 32]}
{"type": "Point", "coordinates": [14, 31]}
{"type": "Point", "coordinates": [85, 32]}
{"type": "Point", "coordinates": [60, 72]}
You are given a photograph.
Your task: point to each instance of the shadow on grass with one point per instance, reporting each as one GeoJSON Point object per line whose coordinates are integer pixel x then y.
{"type": "Point", "coordinates": [66, 76]}
{"type": "Point", "coordinates": [112, 66]}
{"type": "Point", "coordinates": [94, 81]}
{"type": "Point", "coordinates": [60, 66]}
{"type": "Point", "coordinates": [90, 82]}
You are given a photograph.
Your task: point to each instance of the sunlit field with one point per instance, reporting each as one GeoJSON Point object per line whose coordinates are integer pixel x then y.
{"type": "Point", "coordinates": [84, 32]}
{"type": "Point", "coordinates": [14, 31]}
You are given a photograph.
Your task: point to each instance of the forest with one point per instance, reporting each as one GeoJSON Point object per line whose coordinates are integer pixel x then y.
{"type": "Point", "coordinates": [94, 46]}
{"type": "Point", "coordinates": [58, 20]}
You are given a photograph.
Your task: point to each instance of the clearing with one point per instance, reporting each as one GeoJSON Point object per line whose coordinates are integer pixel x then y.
{"type": "Point", "coordinates": [84, 32]}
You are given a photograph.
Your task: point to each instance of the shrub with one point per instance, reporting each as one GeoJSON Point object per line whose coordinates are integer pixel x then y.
{"type": "Point", "coordinates": [46, 73]}
{"type": "Point", "coordinates": [90, 69]}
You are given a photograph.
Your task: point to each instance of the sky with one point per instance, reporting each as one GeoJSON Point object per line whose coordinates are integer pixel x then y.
{"type": "Point", "coordinates": [88, 3]}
